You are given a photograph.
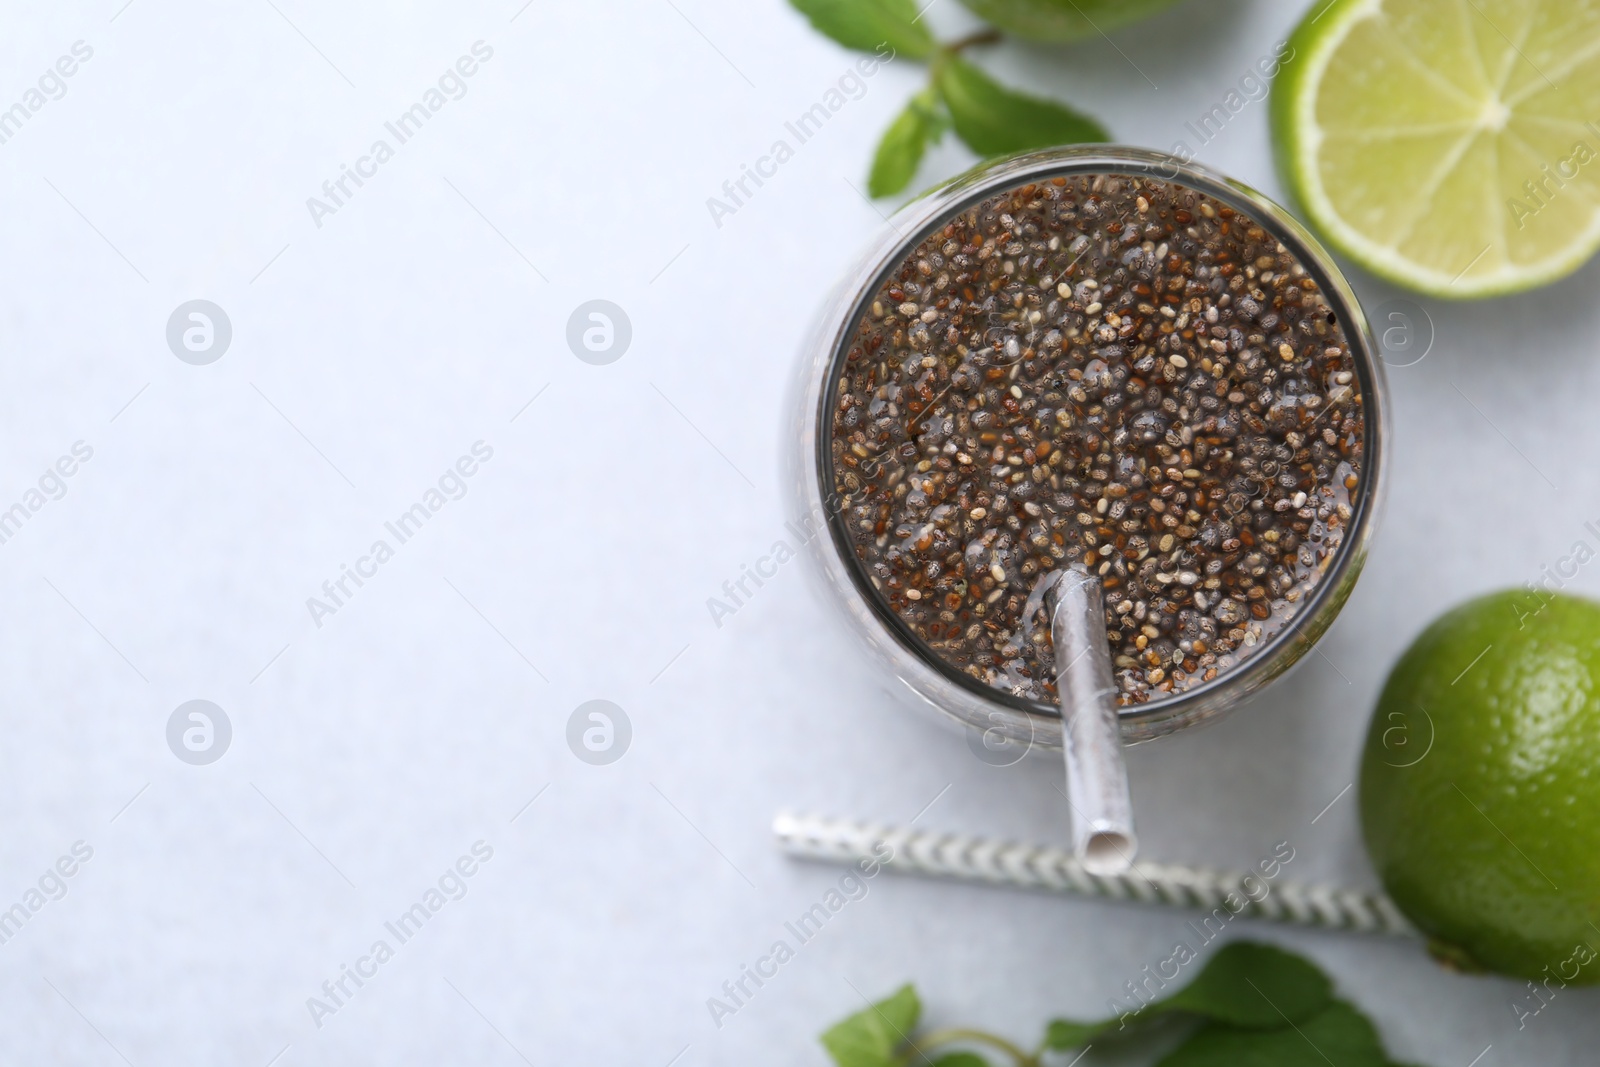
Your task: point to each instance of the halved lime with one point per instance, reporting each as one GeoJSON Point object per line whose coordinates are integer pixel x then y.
{"type": "Point", "coordinates": [1450, 146]}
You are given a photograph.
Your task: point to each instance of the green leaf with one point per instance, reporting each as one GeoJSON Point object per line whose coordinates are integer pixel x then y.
{"type": "Point", "coordinates": [1064, 1034]}
{"type": "Point", "coordinates": [994, 120]}
{"type": "Point", "coordinates": [870, 1037]}
{"type": "Point", "coordinates": [868, 25]}
{"type": "Point", "coordinates": [1338, 1034]}
{"type": "Point", "coordinates": [907, 138]}
{"type": "Point", "coordinates": [1250, 984]}
{"type": "Point", "coordinates": [961, 1059]}
{"type": "Point", "coordinates": [1245, 984]}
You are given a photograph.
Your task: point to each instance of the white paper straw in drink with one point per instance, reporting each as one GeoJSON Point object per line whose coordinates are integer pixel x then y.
{"type": "Point", "coordinates": [1097, 779]}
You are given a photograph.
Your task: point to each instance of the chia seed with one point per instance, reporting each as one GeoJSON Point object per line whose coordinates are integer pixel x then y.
{"type": "Point", "coordinates": [1108, 370]}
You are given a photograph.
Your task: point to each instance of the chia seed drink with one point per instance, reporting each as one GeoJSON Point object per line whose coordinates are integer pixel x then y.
{"type": "Point", "coordinates": [1103, 368]}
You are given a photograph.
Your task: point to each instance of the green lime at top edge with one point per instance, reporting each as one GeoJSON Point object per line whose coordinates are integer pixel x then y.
{"type": "Point", "coordinates": [1063, 20]}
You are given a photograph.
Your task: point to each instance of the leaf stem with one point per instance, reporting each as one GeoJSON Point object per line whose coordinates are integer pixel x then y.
{"type": "Point", "coordinates": [937, 1038]}
{"type": "Point", "coordinates": [981, 37]}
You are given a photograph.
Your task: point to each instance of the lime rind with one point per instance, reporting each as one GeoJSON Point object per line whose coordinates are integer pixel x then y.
{"type": "Point", "coordinates": [1476, 793]}
{"type": "Point", "coordinates": [1417, 174]}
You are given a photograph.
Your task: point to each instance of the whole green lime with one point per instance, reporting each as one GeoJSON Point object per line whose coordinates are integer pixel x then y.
{"type": "Point", "coordinates": [1062, 20]}
{"type": "Point", "coordinates": [1480, 785]}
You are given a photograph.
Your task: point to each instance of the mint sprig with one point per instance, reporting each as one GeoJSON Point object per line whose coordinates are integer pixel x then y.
{"type": "Point", "coordinates": [994, 120]}
{"type": "Point", "coordinates": [1256, 1005]}
{"type": "Point", "coordinates": [988, 117]}
{"type": "Point", "coordinates": [870, 1037]}
{"type": "Point", "coordinates": [1338, 1034]}
{"type": "Point", "coordinates": [867, 25]}
{"type": "Point", "coordinates": [1245, 984]}
{"type": "Point", "coordinates": [900, 151]}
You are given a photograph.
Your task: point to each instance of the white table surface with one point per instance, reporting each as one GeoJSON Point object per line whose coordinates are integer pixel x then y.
{"type": "Point", "coordinates": [375, 750]}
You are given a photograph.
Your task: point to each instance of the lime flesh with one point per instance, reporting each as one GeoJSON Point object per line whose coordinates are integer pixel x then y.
{"type": "Point", "coordinates": [1450, 146]}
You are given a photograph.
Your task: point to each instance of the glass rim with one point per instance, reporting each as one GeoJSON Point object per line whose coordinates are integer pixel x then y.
{"type": "Point", "coordinates": [934, 209]}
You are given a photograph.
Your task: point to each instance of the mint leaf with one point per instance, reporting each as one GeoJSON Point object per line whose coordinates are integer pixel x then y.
{"type": "Point", "coordinates": [870, 1037]}
{"type": "Point", "coordinates": [961, 1059]}
{"type": "Point", "coordinates": [1338, 1034]}
{"type": "Point", "coordinates": [1245, 984]}
{"type": "Point", "coordinates": [994, 120]}
{"type": "Point", "coordinates": [907, 138]}
{"type": "Point", "coordinates": [1250, 984]}
{"type": "Point", "coordinates": [868, 25]}
{"type": "Point", "coordinates": [1063, 1034]}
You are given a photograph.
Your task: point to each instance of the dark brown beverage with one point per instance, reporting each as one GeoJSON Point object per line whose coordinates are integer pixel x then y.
{"type": "Point", "coordinates": [1105, 370]}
